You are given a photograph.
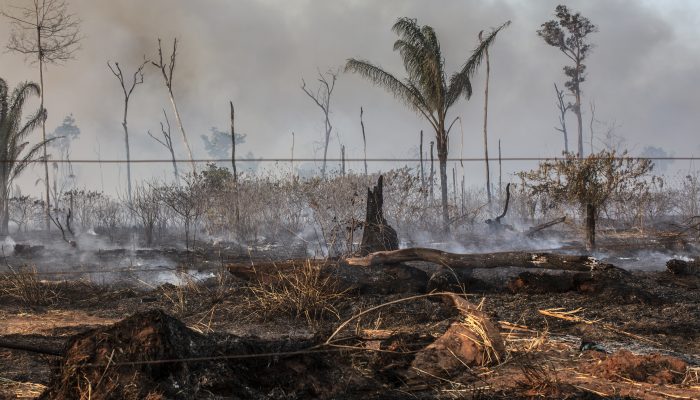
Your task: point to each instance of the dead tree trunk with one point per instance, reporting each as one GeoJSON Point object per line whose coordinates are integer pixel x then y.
{"type": "Point", "coordinates": [364, 138]}
{"type": "Point", "coordinates": [496, 222]}
{"type": "Point", "coordinates": [233, 162]}
{"type": "Point", "coordinates": [422, 171]}
{"type": "Point", "coordinates": [590, 226]}
{"type": "Point", "coordinates": [489, 260]}
{"type": "Point", "coordinates": [167, 71]}
{"type": "Point", "coordinates": [563, 108]}
{"type": "Point", "coordinates": [432, 171]}
{"type": "Point", "coordinates": [342, 160]}
{"type": "Point", "coordinates": [377, 234]}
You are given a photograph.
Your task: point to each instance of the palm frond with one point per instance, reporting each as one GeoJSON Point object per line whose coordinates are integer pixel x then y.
{"type": "Point", "coordinates": [404, 92]}
{"type": "Point", "coordinates": [408, 29]}
{"type": "Point", "coordinates": [29, 157]}
{"type": "Point", "coordinates": [434, 67]}
{"type": "Point", "coordinates": [34, 122]}
{"type": "Point", "coordinates": [460, 81]}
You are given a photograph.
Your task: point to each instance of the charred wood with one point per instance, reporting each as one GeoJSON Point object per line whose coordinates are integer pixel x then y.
{"type": "Point", "coordinates": [488, 260]}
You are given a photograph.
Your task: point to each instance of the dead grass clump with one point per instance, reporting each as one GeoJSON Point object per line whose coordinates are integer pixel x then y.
{"type": "Point", "coordinates": [19, 390]}
{"type": "Point", "coordinates": [182, 296]}
{"type": "Point", "coordinates": [521, 339]}
{"type": "Point", "coordinates": [300, 292]}
{"type": "Point", "coordinates": [692, 377]}
{"type": "Point", "coordinates": [23, 284]}
{"type": "Point", "coordinates": [538, 378]}
{"type": "Point", "coordinates": [482, 336]}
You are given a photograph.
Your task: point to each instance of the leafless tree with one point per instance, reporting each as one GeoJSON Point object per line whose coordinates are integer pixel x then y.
{"type": "Point", "coordinates": [486, 115]}
{"type": "Point", "coordinates": [422, 170]}
{"type": "Point", "coordinates": [145, 205]}
{"type": "Point", "coordinates": [127, 89]}
{"type": "Point", "coordinates": [167, 71]}
{"type": "Point", "coordinates": [187, 202]}
{"type": "Point", "coordinates": [233, 144]}
{"type": "Point", "coordinates": [364, 138]}
{"type": "Point", "coordinates": [322, 98]}
{"type": "Point", "coordinates": [563, 108]}
{"type": "Point", "coordinates": [46, 33]}
{"type": "Point", "coordinates": [167, 142]}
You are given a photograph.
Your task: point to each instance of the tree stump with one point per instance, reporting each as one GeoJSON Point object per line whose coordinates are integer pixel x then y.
{"type": "Point", "coordinates": [377, 234]}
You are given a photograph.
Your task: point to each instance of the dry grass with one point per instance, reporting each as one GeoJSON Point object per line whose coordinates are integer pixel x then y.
{"type": "Point", "coordinates": [480, 336]}
{"type": "Point", "coordinates": [23, 284]}
{"type": "Point", "coordinates": [521, 339]}
{"type": "Point", "coordinates": [303, 292]}
{"type": "Point", "coordinates": [539, 378]}
{"type": "Point", "coordinates": [572, 316]}
{"type": "Point", "coordinates": [20, 390]}
{"type": "Point", "coordinates": [692, 377]}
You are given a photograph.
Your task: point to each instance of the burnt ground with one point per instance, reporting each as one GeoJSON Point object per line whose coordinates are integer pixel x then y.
{"type": "Point", "coordinates": [644, 335]}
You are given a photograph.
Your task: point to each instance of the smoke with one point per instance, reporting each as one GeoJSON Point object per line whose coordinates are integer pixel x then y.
{"type": "Point", "coordinates": [255, 53]}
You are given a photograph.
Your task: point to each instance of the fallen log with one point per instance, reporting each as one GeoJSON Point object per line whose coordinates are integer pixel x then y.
{"type": "Point", "coordinates": [21, 343]}
{"type": "Point", "coordinates": [488, 260]}
{"type": "Point", "coordinates": [532, 231]}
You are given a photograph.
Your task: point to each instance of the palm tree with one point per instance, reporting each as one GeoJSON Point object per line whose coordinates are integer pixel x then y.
{"type": "Point", "coordinates": [426, 90]}
{"type": "Point", "coordinates": [13, 158]}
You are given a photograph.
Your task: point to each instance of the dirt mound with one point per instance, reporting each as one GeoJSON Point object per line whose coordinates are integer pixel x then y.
{"type": "Point", "coordinates": [654, 368]}
{"type": "Point", "coordinates": [125, 361]}
{"type": "Point", "coordinates": [152, 355]}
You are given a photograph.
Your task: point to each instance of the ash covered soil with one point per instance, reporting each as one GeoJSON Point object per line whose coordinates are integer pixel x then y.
{"type": "Point", "coordinates": [212, 334]}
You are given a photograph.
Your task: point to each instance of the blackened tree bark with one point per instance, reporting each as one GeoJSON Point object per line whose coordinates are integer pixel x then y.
{"type": "Point", "coordinates": [377, 234]}
{"type": "Point", "coordinates": [590, 226]}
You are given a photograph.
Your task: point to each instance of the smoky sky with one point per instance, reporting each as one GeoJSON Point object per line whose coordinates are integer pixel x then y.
{"type": "Point", "coordinates": [642, 77]}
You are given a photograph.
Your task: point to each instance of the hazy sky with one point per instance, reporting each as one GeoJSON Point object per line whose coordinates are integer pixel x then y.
{"type": "Point", "coordinates": [642, 76]}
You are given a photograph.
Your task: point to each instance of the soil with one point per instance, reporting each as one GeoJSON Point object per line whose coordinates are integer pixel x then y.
{"type": "Point", "coordinates": [637, 336]}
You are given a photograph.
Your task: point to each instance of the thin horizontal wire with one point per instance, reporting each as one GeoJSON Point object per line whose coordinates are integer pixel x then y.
{"type": "Point", "coordinates": [376, 159]}
{"type": "Point", "coordinates": [213, 358]}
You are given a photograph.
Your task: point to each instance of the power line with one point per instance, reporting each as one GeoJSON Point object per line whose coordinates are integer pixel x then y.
{"type": "Point", "coordinates": [375, 159]}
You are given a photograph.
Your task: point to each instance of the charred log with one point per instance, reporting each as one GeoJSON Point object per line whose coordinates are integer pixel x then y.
{"type": "Point", "coordinates": [535, 229]}
{"type": "Point", "coordinates": [489, 260]}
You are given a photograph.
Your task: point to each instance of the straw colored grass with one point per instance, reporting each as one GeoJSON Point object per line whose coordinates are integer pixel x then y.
{"type": "Point", "coordinates": [304, 292]}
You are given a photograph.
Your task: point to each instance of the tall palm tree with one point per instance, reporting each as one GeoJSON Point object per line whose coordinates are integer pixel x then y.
{"type": "Point", "coordinates": [427, 90]}
{"type": "Point", "coordinates": [13, 132]}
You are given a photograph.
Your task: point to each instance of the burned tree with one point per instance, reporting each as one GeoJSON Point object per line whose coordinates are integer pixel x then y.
{"type": "Point", "coordinates": [167, 71]}
{"type": "Point", "coordinates": [45, 30]}
{"type": "Point", "coordinates": [167, 142]}
{"type": "Point", "coordinates": [588, 183]}
{"type": "Point", "coordinates": [377, 234]}
{"type": "Point", "coordinates": [127, 90]}
{"type": "Point", "coordinates": [563, 108]}
{"type": "Point", "coordinates": [364, 139]}
{"type": "Point", "coordinates": [569, 33]}
{"type": "Point", "coordinates": [145, 205]}
{"type": "Point", "coordinates": [322, 98]}
{"type": "Point", "coordinates": [187, 202]}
